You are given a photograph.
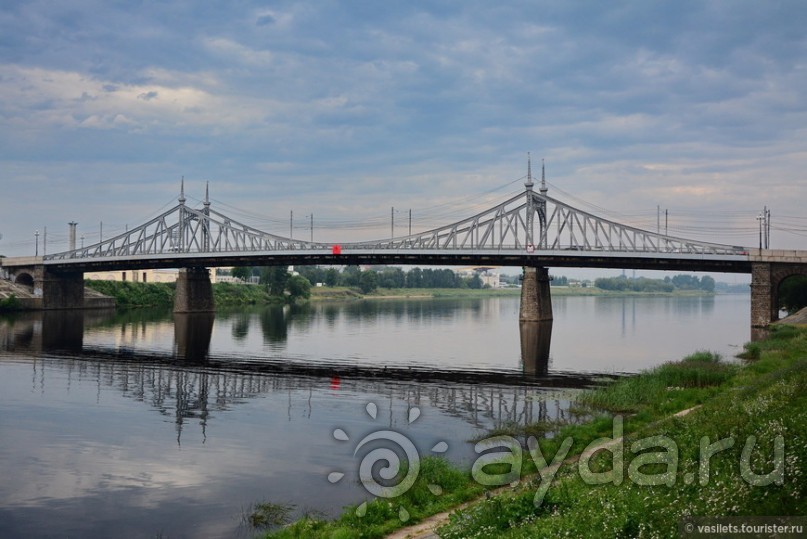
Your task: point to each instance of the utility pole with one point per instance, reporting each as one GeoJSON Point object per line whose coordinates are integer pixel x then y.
{"type": "Point", "coordinates": [101, 233]}
{"type": "Point", "coordinates": [291, 224]}
{"type": "Point", "coordinates": [666, 217]}
{"type": "Point", "coordinates": [410, 221]}
{"type": "Point", "coordinates": [658, 219]}
{"type": "Point", "coordinates": [392, 222]}
{"type": "Point", "coordinates": [45, 242]}
{"type": "Point", "coordinates": [760, 218]}
{"type": "Point", "coordinates": [312, 228]}
{"type": "Point", "coordinates": [766, 216]}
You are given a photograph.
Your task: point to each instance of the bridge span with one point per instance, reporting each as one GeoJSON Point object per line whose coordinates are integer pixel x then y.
{"type": "Point", "coordinates": [531, 229]}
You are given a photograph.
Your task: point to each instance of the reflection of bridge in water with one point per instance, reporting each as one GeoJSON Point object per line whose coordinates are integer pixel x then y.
{"type": "Point", "coordinates": [189, 385]}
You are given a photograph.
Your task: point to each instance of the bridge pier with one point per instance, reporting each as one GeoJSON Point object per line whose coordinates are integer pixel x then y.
{"type": "Point", "coordinates": [194, 293]}
{"type": "Point", "coordinates": [766, 277]}
{"type": "Point", "coordinates": [764, 300]}
{"type": "Point", "coordinates": [536, 300]}
{"type": "Point", "coordinates": [51, 290]}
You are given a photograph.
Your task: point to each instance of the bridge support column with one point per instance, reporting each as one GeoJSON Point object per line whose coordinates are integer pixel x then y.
{"type": "Point", "coordinates": [194, 292]}
{"type": "Point", "coordinates": [536, 301]}
{"type": "Point", "coordinates": [61, 290]}
{"type": "Point", "coordinates": [764, 304]}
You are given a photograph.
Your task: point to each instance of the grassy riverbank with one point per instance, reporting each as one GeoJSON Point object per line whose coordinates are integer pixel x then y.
{"type": "Point", "coordinates": [129, 294]}
{"type": "Point", "coordinates": [750, 404]}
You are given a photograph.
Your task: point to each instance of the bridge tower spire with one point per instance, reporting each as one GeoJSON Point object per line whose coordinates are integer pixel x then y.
{"type": "Point", "coordinates": [530, 203]}
{"type": "Point", "coordinates": [543, 188]}
{"type": "Point", "coordinates": [206, 224]}
{"type": "Point", "coordinates": [181, 224]}
{"type": "Point", "coordinates": [182, 192]}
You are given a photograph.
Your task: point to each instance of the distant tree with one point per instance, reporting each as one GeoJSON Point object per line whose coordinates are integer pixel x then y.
{"type": "Point", "coordinates": [391, 278]}
{"type": "Point", "coordinates": [414, 279]}
{"type": "Point", "coordinates": [559, 281]}
{"type": "Point", "coordinates": [707, 283]}
{"type": "Point", "coordinates": [368, 281]}
{"type": "Point", "coordinates": [350, 276]}
{"type": "Point", "coordinates": [686, 282]}
{"type": "Point", "coordinates": [314, 274]}
{"type": "Point", "coordinates": [299, 287]}
{"type": "Point", "coordinates": [475, 282]}
{"type": "Point", "coordinates": [331, 277]}
{"type": "Point", "coordinates": [242, 272]}
{"type": "Point", "coordinates": [275, 278]}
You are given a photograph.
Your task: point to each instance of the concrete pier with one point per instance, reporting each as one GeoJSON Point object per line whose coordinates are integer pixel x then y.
{"type": "Point", "coordinates": [536, 300]}
{"type": "Point", "coordinates": [194, 292]}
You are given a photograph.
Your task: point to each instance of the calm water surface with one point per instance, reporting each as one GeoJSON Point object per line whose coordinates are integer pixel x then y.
{"type": "Point", "coordinates": [142, 424]}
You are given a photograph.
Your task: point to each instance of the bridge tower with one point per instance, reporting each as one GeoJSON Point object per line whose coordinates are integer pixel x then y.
{"type": "Point", "coordinates": [536, 301]}
{"type": "Point", "coordinates": [194, 292]}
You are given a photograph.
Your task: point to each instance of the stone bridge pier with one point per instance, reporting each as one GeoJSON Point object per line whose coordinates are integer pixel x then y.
{"type": "Point", "coordinates": [51, 290]}
{"type": "Point", "coordinates": [194, 293]}
{"type": "Point", "coordinates": [766, 278]}
{"type": "Point", "coordinates": [536, 301]}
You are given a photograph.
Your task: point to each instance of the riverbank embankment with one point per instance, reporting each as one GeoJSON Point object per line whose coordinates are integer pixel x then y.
{"type": "Point", "coordinates": [17, 297]}
{"type": "Point", "coordinates": [740, 451]}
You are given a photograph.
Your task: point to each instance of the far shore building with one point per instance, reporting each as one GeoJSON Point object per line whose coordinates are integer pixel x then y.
{"type": "Point", "coordinates": [487, 274]}
{"type": "Point", "coordinates": [141, 276]}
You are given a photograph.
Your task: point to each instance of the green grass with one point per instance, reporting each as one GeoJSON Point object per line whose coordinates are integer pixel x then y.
{"type": "Point", "coordinates": [239, 294]}
{"type": "Point", "coordinates": [383, 516]}
{"type": "Point", "coordinates": [667, 388]}
{"type": "Point", "coordinates": [128, 294]}
{"type": "Point", "coordinates": [765, 399]}
{"type": "Point", "coordinates": [11, 303]}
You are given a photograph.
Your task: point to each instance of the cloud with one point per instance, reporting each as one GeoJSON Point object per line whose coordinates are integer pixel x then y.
{"type": "Point", "coordinates": [633, 105]}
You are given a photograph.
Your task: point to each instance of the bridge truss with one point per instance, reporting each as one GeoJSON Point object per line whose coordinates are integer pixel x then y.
{"type": "Point", "coordinates": [529, 222]}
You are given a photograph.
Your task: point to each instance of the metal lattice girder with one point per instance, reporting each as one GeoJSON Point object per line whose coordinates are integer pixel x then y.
{"type": "Point", "coordinates": [507, 226]}
{"type": "Point", "coordinates": [186, 230]}
{"type": "Point", "coordinates": [560, 227]}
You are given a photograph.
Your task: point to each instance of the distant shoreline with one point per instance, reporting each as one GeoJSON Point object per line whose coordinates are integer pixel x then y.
{"type": "Point", "coordinates": [337, 293]}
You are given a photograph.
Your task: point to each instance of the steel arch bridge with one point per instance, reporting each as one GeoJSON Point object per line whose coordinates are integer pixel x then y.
{"type": "Point", "coordinates": [530, 228]}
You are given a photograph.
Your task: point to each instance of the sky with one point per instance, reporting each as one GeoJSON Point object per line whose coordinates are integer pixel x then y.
{"type": "Point", "coordinates": [345, 110]}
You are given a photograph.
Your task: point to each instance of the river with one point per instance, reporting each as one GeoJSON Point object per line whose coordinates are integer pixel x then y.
{"type": "Point", "coordinates": [142, 424]}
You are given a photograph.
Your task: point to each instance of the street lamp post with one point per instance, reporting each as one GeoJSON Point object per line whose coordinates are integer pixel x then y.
{"type": "Point", "coordinates": [36, 251]}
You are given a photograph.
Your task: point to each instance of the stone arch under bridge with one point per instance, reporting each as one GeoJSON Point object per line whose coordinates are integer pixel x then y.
{"type": "Point", "coordinates": [24, 278]}
{"type": "Point", "coordinates": [766, 278]}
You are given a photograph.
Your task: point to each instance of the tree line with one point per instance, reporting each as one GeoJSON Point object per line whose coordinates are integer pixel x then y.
{"type": "Point", "coordinates": [668, 284]}
{"type": "Point", "coordinates": [278, 278]}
